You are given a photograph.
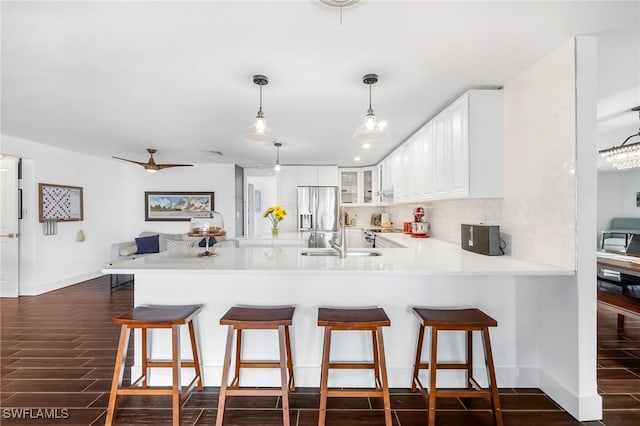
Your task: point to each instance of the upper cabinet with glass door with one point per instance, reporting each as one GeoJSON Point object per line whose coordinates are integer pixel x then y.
{"type": "Point", "coordinates": [359, 185]}
{"type": "Point", "coordinates": [349, 186]}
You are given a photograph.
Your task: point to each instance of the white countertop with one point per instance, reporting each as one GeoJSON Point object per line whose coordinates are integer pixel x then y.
{"type": "Point", "coordinates": [300, 235]}
{"type": "Point", "coordinates": [426, 256]}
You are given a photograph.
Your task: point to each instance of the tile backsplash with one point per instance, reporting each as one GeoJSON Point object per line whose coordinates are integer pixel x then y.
{"type": "Point", "coordinates": [445, 217]}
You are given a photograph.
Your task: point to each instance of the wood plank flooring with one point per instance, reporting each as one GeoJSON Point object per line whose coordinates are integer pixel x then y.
{"type": "Point", "coordinates": [57, 353]}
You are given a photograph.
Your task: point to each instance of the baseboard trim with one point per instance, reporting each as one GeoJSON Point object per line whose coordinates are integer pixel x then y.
{"type": "Point", "coordinates": [582, 407]}
{"type": "Point", "coordinates": [46, 287]}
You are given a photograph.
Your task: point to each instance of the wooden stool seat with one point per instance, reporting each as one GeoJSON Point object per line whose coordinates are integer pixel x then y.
{"type": "Point", "coordinates": [240, 318]}
{"type": "Point", "coordinates": [455, 319]}
{"type": "Point", "coordinates": [467, 320]}
{"type": "Point", "coordinates": [256, 316]}
{"type": "Point", "coordinates": [358, 319]}
{"type": "Point", "coordinates": [158, 316]}
{"type": "Point", "coordinates": [353, 319]}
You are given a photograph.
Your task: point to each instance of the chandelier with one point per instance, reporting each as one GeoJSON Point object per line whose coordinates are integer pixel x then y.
{"type": "Point", "coordinates": [624, 156]}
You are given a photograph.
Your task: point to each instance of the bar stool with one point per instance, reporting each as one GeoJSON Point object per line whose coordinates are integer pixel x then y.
{"type": "Point", "coordinates": [240, 318]}
{"type": "Point", "coordinates": [362, 319]}
{"type": "Point", "coordinates": [462, 320]}
{"type": "Point", "coordinates": [157, 316]}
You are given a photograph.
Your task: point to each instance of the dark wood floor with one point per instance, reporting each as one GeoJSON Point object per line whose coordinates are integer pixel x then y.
{"type": "Point", "coordinates": [58, 349]}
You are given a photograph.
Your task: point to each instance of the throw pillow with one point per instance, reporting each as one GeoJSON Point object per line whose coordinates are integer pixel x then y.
{"type": "Point", "coordinates": [128, 250]}
{"type": "Point", "coordinates": [177, 244]}
{"type": "Point", "coordinates": [149, 244]}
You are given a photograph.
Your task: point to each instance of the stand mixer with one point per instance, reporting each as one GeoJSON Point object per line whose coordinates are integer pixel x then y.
{"type": "Point", "coordinates": [419, 226]}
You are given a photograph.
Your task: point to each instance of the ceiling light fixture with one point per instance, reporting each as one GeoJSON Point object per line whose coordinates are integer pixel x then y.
{"type": "Point", "coordinates": [340, 4]}
{"type": "Point", "coordinates": [624, 156]}
{"type": "Point", "coordinates": [276, 167]}
{"type": "Point", "coordinates": [259, 131]}
{"type": "Point", "coordinates": [371, 130]}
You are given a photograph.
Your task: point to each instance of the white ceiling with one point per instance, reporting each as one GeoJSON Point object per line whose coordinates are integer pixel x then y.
{"type": "Point", "coordinates": [114, 78]}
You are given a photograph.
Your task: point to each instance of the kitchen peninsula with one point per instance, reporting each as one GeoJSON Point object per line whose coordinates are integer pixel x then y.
{"type": "Point", "coordinates": [428, 272]}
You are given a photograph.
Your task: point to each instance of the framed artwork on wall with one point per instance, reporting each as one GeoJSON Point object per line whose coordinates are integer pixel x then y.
{"type": "Point", "coordinates": [61, 203]}
{"type": "Point", "coordinates": [176, 206]}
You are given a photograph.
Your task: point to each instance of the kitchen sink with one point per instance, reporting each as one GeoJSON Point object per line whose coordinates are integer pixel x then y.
{"type": "Point", "coordinates": [332, 252]}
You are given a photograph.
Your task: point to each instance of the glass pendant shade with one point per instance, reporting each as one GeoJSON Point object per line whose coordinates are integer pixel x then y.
{"type": "Point", "coordinates": [259, 131]}
{"type": "Point", "coordinates": [371, 130]}
{"type": "Point", "coordinates": [276, 167]}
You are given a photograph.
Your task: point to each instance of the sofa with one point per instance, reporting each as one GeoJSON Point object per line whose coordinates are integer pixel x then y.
{"type": "Point", "coordinates": [616, 238]}
{"type": "Point", "coordinates": [130, 250]}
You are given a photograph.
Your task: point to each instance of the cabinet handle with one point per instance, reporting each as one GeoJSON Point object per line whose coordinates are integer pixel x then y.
{"type": "Point", "coordinates": [9, 235]}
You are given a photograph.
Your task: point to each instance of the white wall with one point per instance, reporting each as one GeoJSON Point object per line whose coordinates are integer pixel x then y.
{"type": "Point", "coordinates": [50, 262]}
{"type": "Point", "coordinates": [216, 178]}
{"type": "Point", "coordinates": [617, 196]}
{"type": "Point", "coordinates": [549, 209]}
{"type": "Point", "coordinates": [113, 209]}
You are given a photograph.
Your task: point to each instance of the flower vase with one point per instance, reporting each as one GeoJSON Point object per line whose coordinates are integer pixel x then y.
{"type": "Point", "coordinates": [274, 231]}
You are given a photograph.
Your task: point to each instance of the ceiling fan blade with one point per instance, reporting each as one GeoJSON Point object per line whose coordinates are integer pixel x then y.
{"type": "Point", "coordinates": [131, 161]}
{"type": "Point", "coordinates": [166, 166]}
{"type": "Point", "coordinates": [151, 165]}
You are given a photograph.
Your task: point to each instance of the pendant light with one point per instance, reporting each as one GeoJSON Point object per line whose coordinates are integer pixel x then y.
{"type": "Point", "coordinates": [259, 131]}
{"type": "Point", "coordinates": [276, 167]}
{"type": "Point", "coordinates": [624, 156]}
{"type": "Point", "coordinates": [371, 130]}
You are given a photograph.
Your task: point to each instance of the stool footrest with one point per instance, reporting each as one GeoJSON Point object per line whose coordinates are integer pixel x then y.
{"type": "Point", "coordinates": [169, 364]}
{"type": "Point", "coordinates": [478, 392]}
{"type": "Point", "coordinates": [443, 366]}
{"type": "Point", "coordinates": [254, 392]}
{"type": "Point", "coordinates": [259, 364]}
{"type": "Point", "coordinates": [348, 393]}
{"type": "Point", "coordinates": [352, 365]}
{"type": "Point", "coordinates": [145, 391]}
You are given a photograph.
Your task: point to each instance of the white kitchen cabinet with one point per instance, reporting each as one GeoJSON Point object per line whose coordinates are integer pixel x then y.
{"type": "Point", "coordinates": [385, 185]}
{"type": "Point", "coordinates": [358, 185]}
{"type": "Point", "coordinates": [471, 143]}
{"type": "Point", "coordinates": [397, 174]}
{"type": "Point", "coordinates": [307, 176]}
{"type": "Point", "coordinates": [317, 176]}
{"type": "Point", "coordinates": [382, 242]}
{"type": "Point", "coordinates": [458, 154]}
{"type": "Point", "coordinates": [328, 176]}
{"type": "Point", "coordinates": [355, 238]}
{"type": "Point", "coordinates": [349, 186]}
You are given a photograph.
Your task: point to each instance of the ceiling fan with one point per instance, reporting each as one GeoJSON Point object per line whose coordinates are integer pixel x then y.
{"type": "Point", "coordinates": [151, 165]}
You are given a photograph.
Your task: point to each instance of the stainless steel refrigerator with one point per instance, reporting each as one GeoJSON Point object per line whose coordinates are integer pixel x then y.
{"type": "Point", "coordinates": [318, 213]}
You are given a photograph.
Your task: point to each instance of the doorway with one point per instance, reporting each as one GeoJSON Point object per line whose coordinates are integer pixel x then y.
{"type": "Point", "coordinates": [262, 192]}
{"type": "Point", "coordinates": [10, 209]}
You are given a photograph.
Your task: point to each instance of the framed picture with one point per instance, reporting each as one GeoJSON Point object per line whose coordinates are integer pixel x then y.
{"type": "Point", "coordinates": [176, 206]}
{"type": "Point", "coordinates": [61, 203]}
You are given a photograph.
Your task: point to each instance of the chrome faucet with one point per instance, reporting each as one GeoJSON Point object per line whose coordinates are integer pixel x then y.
{"type": "Point", "coordinates": [342, 247]}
